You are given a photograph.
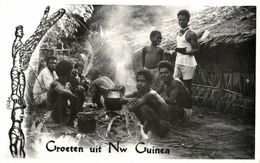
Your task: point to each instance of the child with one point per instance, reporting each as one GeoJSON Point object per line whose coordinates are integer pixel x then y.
{"type": "Point", "coordinates": [152, 55]}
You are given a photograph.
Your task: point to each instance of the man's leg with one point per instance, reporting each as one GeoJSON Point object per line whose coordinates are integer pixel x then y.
{"type": "Point", "coordinates": [176, 112]}
{"type": "Point", "coordinates": [151, 121]}
{"type": "Point", "coordinates": [76, 105]}
{"type": "Point", "coordinates": [60, 110]}
{"type": "Point", "coordinates": [188, 73]}
{"type": "Point", "coordinates": [188, 84]}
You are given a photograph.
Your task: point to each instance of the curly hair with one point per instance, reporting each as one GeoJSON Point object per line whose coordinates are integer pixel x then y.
{"type": "Point", "coordinates": [146, 73]}
{"type": "Point", "coordinates": [63, 68]}
{"type": "Point", "coordinates": [166, 64]}
{"type": "Point", "coordinates": [79, 64]}
{"type": "Point", "coordinates": [154, 33]}
{"type": "Point", "coordinates": [185, 13]}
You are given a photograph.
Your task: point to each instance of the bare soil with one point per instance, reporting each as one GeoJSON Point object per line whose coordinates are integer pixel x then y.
{"type": "Point", "coordinates": [209, 135]}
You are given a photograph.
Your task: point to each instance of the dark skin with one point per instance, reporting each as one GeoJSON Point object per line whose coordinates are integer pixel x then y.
{"type": "Point", "coordinates": [152, 55]}
{"type": "Point", "coordinates": [59, 86]}
{"type": "Point", "coordinates": [171, 87]}
{"type": "Point", "coordinates": [148, 107]}
{"type": "Point", "coordinates": [143, 87]}
{"type": "Point", "coordinates": [174, 88]}
{"type": "Point", "coordinates": [191, 37]}
{"type": "Point", "coordinates": [51, 64]}
{"type": "Point", "coordinates": [143, 97]}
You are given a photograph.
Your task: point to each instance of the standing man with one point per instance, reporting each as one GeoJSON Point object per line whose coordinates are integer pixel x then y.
{"type": "Point", "coordinates": [44, 80]}
{"type": "Point", "coordinates": [187, 47]}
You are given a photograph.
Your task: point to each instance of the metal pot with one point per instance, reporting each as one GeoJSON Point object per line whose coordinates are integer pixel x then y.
{"type": "Point", "coordinates": [112, 100]}
{"type": "Point", "coordinates": [86, 122]}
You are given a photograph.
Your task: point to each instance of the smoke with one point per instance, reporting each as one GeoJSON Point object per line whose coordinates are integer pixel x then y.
{"type": "Point", "coordinates": [120, 22]}
{"type": "Point", "coordinates": [125, 31]}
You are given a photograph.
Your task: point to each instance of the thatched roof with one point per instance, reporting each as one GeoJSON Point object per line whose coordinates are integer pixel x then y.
{"type": "Point", "coordinates": [226, 25]}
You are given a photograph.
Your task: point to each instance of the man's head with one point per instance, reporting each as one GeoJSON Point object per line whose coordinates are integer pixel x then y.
{"type": "Point", "coordinates": [183, 18]}
{"type": "Point", "coordinates": [63, 70]}
{"type": "Point", "coordinates": [19, 31]}
{"type": "Point", "coordinates": [75, 79]}
{"type": "Point", "coordinates": [156, 37]}
{"type": "Point", "coordinates": [165, 71]}
{"type": "Point", "coordinates": [93, 74]}
{"type": "Point", "coordinates": [79, 66]}
{"type": "Point", "coordinates": [144, 80]}
{"type": "Point", "coordinates": [51, 63]}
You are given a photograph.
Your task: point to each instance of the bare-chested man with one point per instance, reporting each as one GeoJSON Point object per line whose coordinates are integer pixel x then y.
{"type": "Point", "coordinates": [175, 93]}
{"type": "Point", "coordinates": [149, 107]}
{"type": "Point", "coordinates": [64, 112]}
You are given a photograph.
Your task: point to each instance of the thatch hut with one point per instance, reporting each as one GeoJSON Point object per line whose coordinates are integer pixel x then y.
{"type": "Point", "coordinates": [225, 75]}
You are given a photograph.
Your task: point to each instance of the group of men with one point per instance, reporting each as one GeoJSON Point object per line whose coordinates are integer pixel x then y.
{"type": "Point", "coordinates": [161, 98]}
{"type": "Point", "coordinates": [171, 101]}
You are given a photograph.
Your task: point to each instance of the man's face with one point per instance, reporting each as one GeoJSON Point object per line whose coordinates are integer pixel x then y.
{"type": "Point", "coordinates": [165, 74]}
{"type": "Point", "coordinates": [74, 78]}
{"type": "Point", "coordinates": [19, 33]}
{"type": "Point", "coordinates": [142, 84]}
{"type": "Point", "coordinates": [156, 39]}
{"type": "Point", "coordinates": [52, 64]}
{"type": "Point", "coordinates": [183, 21]}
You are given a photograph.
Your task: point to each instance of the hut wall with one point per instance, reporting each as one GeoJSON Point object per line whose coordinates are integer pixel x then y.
{"type": "Point", "coordinates": [225, 76]}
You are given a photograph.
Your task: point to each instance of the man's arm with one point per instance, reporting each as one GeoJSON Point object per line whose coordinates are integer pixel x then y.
{"type": "Point", "coordinates": [62, 90]}
{"type": "Point", "coordinates": [192, 38]}
{"type": "Point", "coordinates": [175, 89]}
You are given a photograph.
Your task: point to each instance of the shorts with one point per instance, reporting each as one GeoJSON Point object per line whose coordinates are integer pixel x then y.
{"type": "Point", "coordinates": [186, 72]}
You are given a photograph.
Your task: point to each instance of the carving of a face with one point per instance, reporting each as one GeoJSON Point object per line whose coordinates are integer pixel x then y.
{"type": "Point", "coordinates": [19, 33]}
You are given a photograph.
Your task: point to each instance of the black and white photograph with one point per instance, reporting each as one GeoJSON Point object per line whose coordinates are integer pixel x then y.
{"type": "Point", "coordinates": [129, 81]}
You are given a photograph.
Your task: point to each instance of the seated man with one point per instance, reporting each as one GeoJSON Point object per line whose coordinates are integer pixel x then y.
{"type": "Point", "coordinates": [148, 105]}
{"type": "Point", "coordinates": [43, 81]}
{"type": "Point", "coordinates": [64, 103]}
{"type": "Point", "coordinates": [99, 85]}
{"type": "Point", "coordinates": [79, 66]}
{"type": "Point", "coordinates": [175, 93]}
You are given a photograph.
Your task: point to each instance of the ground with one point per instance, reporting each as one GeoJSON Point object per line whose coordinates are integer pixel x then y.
{"type": "Point", "coordinates": [209, 135]}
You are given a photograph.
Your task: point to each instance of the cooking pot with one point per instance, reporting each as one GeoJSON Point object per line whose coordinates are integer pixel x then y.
{"type": "Point", "coordinates": [86, 122]}
{"type": "Point", "coordinates": [112, 99]}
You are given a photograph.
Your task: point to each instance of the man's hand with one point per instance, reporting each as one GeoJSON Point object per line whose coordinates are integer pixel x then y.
{"type": "Point", "coordinates": [130, 101]}
{"type": "Point", "coordinates": [181, 50]}
{"type": "Point", "coordinates": [80, 89]}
